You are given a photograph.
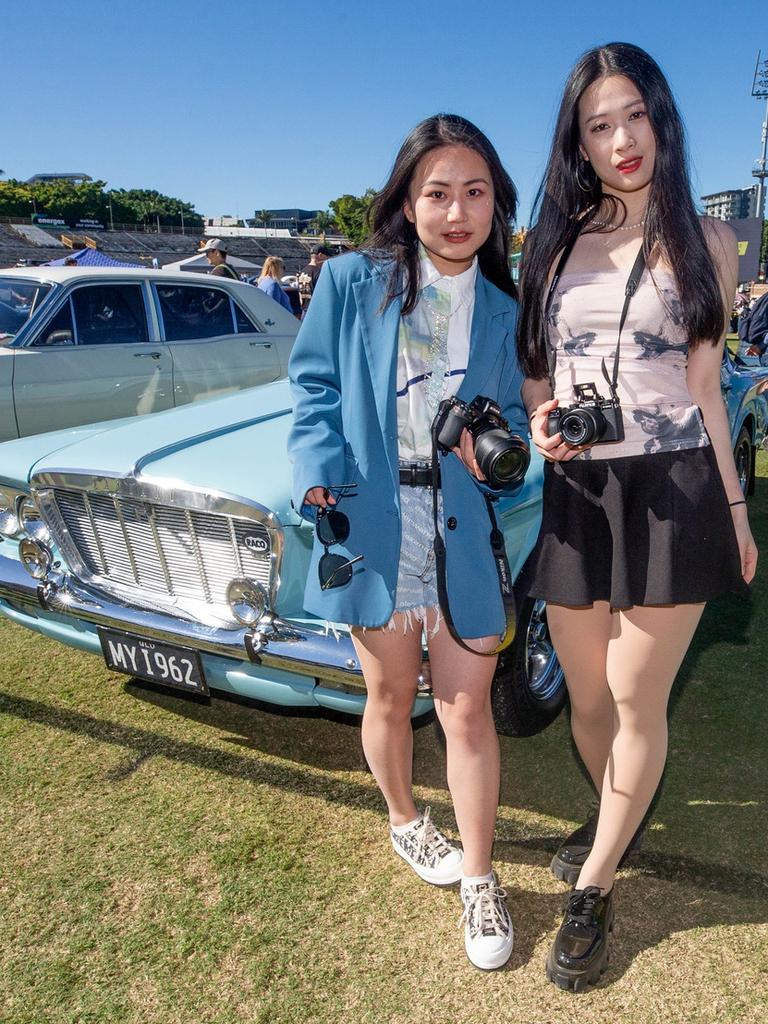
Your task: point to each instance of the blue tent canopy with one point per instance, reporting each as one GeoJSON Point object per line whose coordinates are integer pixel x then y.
{"type": "Point", "coordinates": [90, 258]}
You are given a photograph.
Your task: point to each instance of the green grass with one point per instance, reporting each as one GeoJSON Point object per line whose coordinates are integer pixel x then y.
{"type": "Point", "coordinates": [166, 861]}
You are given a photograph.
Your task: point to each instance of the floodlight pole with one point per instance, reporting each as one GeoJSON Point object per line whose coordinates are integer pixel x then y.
{"type": "Point", "coordinates": [760, 90]}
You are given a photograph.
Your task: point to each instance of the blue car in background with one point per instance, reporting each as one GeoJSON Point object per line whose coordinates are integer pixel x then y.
{"type": "Point", "coordinates": [167, 546]}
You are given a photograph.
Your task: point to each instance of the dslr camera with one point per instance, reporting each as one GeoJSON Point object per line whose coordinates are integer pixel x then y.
{"type": "Point", "coordinates": [502, 456]}
{"type": "Point", "coordinates": [591, 419]}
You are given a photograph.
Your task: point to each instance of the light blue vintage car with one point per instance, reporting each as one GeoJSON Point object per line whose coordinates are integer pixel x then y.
{"type": "Point", "coordinates": [167, 545]}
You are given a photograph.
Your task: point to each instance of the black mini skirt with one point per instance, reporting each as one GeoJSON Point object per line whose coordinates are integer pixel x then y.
{"type": "Point", "coordinates": [640, 530]}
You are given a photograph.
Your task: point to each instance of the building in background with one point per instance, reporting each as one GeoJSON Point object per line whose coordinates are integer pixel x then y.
{"type": "Point", "coordinates": [73, 178]}
{"type": "Point", "coordinates": [731, 204]}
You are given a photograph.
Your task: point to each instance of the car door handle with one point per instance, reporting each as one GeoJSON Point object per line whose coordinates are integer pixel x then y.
{"type": "Point", "coordinates": [146, 355]}
{"type": "Point", "coordinates": [260, 344]}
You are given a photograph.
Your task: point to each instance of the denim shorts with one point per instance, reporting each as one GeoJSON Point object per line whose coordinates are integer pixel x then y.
{"type": "Point", "coordinates": [416, 593]}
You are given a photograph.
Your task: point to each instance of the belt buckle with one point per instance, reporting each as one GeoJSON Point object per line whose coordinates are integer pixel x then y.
{"type": "Point", "coordinates": [413, 470]}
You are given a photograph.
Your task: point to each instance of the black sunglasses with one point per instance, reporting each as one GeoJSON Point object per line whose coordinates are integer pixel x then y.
{"type": "Point", "coordinates": [332, 527]}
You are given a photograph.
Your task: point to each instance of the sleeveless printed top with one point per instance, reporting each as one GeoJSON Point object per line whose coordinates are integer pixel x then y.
{"type": "Point", "coordinates": [583, 325]}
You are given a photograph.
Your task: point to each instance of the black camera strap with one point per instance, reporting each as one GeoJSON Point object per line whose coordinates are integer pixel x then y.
{"type": "Point", "coordinates": [629, 290]}
{"type": "Point", "coordinates": [500, 559]}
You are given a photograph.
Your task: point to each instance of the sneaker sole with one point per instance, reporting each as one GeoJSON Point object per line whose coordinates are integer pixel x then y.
{"type": "Point", "coordinates": [430, 876]}
{"type": "Point", "coordinates": [490, 965]}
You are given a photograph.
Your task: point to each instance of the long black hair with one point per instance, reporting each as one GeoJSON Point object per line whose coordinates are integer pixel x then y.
{"type": "Point", "coordinates": [571, 192]}
{"type": "Point", "coordinates": [394, 236]}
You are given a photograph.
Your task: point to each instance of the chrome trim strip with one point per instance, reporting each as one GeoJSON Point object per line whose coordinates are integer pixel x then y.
{"type": "Point", "coordinates": [96, 537]}
{"type": "Point", "coordinates": [289, 647]}
{"type": "Point", "coordinates": [126, 538]}
{"type": "Point", "coordinates": [198, 554]}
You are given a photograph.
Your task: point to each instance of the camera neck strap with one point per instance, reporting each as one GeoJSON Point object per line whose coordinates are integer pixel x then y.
{"type": "Point", "coordinates": [500, 560]}
{"type": "Point", "coordinates": [629, 290]}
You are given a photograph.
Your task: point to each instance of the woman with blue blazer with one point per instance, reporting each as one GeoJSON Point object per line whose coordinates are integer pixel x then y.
{"type": "Point", "coordinates": [426, 312]}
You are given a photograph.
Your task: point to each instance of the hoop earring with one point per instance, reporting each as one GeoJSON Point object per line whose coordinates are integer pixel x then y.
{"type": "Point", "coordinates": [579, 182]}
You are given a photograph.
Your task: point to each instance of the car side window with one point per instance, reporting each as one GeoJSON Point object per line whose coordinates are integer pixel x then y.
{"type": "Point", "coordinates": [190, 312]}
{"type": "Point", "coordinates": [110, 314]}
{"type": "Point", "coordinates": [244, 323]}
{"type": "Point", "coordinates": [59, 331]}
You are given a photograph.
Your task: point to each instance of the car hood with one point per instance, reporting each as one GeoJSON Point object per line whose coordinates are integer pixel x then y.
{"type": "Point", "coordinates": [235, 444]}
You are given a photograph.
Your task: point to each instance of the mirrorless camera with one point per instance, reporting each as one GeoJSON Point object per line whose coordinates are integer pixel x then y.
{"type": "Point", "coordinates": [502, 456]}
{"type": "Point", "coordinates": [591, 419]}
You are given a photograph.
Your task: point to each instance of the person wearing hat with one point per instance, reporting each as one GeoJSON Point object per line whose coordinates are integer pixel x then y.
{"type": "Point", "coordinates": [308, 276]}
{"type": "Point", "coordinates": [216, 252]}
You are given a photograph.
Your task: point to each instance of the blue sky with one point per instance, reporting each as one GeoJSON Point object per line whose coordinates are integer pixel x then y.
{"type": "Point", "coordinates": [236, 105]}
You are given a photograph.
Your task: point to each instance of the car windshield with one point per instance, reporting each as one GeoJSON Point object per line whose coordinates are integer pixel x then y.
{"type": "Point", "coordinates": [19, 301]}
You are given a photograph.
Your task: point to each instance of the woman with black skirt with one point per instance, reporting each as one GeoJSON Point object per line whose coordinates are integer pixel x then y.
{"type": "Point", "coordinates": [625, 295]}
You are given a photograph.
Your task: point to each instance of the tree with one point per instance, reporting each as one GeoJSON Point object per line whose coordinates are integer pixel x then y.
{"type": "Point", "coordinates": [321, 223]}
{"type": "Point", "coordinates": [351, 215]}
{"type": "Point", "coordinates": [139, 205]}
{"type": "Point", "coordinates": [265, 217]}
{"type": "Point", "coordinates": [517, 239]}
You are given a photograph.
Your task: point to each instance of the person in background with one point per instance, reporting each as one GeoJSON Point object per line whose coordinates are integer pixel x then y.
{"type": "Point", "coordinates": [309, 274]}
{"type": "Point", "coordinates": [757, 329]}
{"type": "Point", "coordinates": [216, 251]}
{"type": "Point", "coordinates": [269, 281]}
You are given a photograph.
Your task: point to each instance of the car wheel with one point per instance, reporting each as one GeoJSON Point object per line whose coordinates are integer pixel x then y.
{"type": "Point", "coordinates": [743, 457]}
{"type": "Point", "coordinates": [528, 691]}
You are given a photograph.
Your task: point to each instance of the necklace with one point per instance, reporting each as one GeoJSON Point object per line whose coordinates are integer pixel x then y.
{"type": "Point", "coordinates": [616, 227]}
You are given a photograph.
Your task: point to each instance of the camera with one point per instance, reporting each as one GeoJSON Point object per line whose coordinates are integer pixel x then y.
{"type": "Point", "coordinates": [592, 419]}
{"type": "Point", "coordinates": [502, 456]}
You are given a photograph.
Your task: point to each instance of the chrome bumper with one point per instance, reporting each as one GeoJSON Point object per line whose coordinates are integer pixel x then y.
{"type": "Point", "coordinates": [273, 643]}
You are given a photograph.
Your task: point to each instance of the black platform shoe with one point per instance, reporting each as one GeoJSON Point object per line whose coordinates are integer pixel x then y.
{"type": "Point", "coordinates": [568, 861]}
{"type": "Point", "coordinates": [579, 954]}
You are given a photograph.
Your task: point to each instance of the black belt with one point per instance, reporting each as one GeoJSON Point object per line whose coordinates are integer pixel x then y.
{"type": "Point", "coordinates": [416, 474]}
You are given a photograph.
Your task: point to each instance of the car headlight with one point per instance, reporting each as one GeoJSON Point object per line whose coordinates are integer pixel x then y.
{"type": "Point", "coordinates": [30, 520]}
{"type": "Point", "coordinates": [248, 601]}
{"type": "Point", "coordinates": [36, 558]}
{"type": "Point", "coordinates": [9, 521]}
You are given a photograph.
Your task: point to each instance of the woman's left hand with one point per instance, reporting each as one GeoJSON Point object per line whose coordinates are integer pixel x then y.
{"type": "Point", "coordinates": [465, 450]}
{"type": "Point", "coordinates": [747, 546]}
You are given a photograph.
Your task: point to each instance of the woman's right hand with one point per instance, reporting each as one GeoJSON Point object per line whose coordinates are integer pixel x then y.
{"type": "Point", "coordinates": [552, 448]}
{"type": "Point", "coordinates": [319, 496]}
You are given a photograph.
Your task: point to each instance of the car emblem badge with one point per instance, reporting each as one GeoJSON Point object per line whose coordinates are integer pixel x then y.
{"type": "Point", "coordinates": [254, 543]}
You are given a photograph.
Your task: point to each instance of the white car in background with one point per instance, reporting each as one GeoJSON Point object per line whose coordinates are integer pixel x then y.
{"type": "Point", "coordinates": [83, 345]}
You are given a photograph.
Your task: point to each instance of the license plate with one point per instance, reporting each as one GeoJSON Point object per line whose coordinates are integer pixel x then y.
{"type": "Point", "coordinates": [152, 660]}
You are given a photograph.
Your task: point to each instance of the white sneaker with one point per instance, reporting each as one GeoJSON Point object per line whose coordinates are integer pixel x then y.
{"type": "Point", "coordinates": [433, 857]}
{"type": "Point", "coordinates": [488, 934]}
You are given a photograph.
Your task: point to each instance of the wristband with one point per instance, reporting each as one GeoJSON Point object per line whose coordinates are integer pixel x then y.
{"type": "Point", "coordinates": [732, 503]}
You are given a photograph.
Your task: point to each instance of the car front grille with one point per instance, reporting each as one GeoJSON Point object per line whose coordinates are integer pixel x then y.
{"type": "Point", "coordinates": [159, 552]}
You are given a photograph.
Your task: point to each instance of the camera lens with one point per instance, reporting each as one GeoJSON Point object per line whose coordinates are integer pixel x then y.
{"type": "Point", "coordinates": [582, 426]}
{"type": "Point", "coordinates": [502, 457]}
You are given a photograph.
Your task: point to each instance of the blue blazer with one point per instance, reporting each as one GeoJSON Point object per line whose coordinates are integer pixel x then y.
{"type": "Point", "coordinates": [342, 374]}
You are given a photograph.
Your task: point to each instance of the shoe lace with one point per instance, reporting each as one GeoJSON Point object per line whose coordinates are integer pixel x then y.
{"type": "Point", "coordinates": [484, 909]}
{"type": "Point", "coordinates": [582, 903]}
{"type": "Point", "coordinates": [429, 841]}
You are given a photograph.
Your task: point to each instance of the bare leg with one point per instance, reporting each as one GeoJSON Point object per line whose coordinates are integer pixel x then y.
{"type": "Point", "coordinates": [646, 649]}
{"type": "Point", "coordinates": [391, 662]}
{"type": "Point", "coordinates": [462, 684]}
{"type": "Point", "coordinates": [581, 637]}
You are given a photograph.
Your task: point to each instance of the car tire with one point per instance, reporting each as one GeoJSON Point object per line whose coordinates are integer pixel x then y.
{"type": "Point", "coordinates": [744, 457]}
{"type": "Point", "coordinates": [528, 690]}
